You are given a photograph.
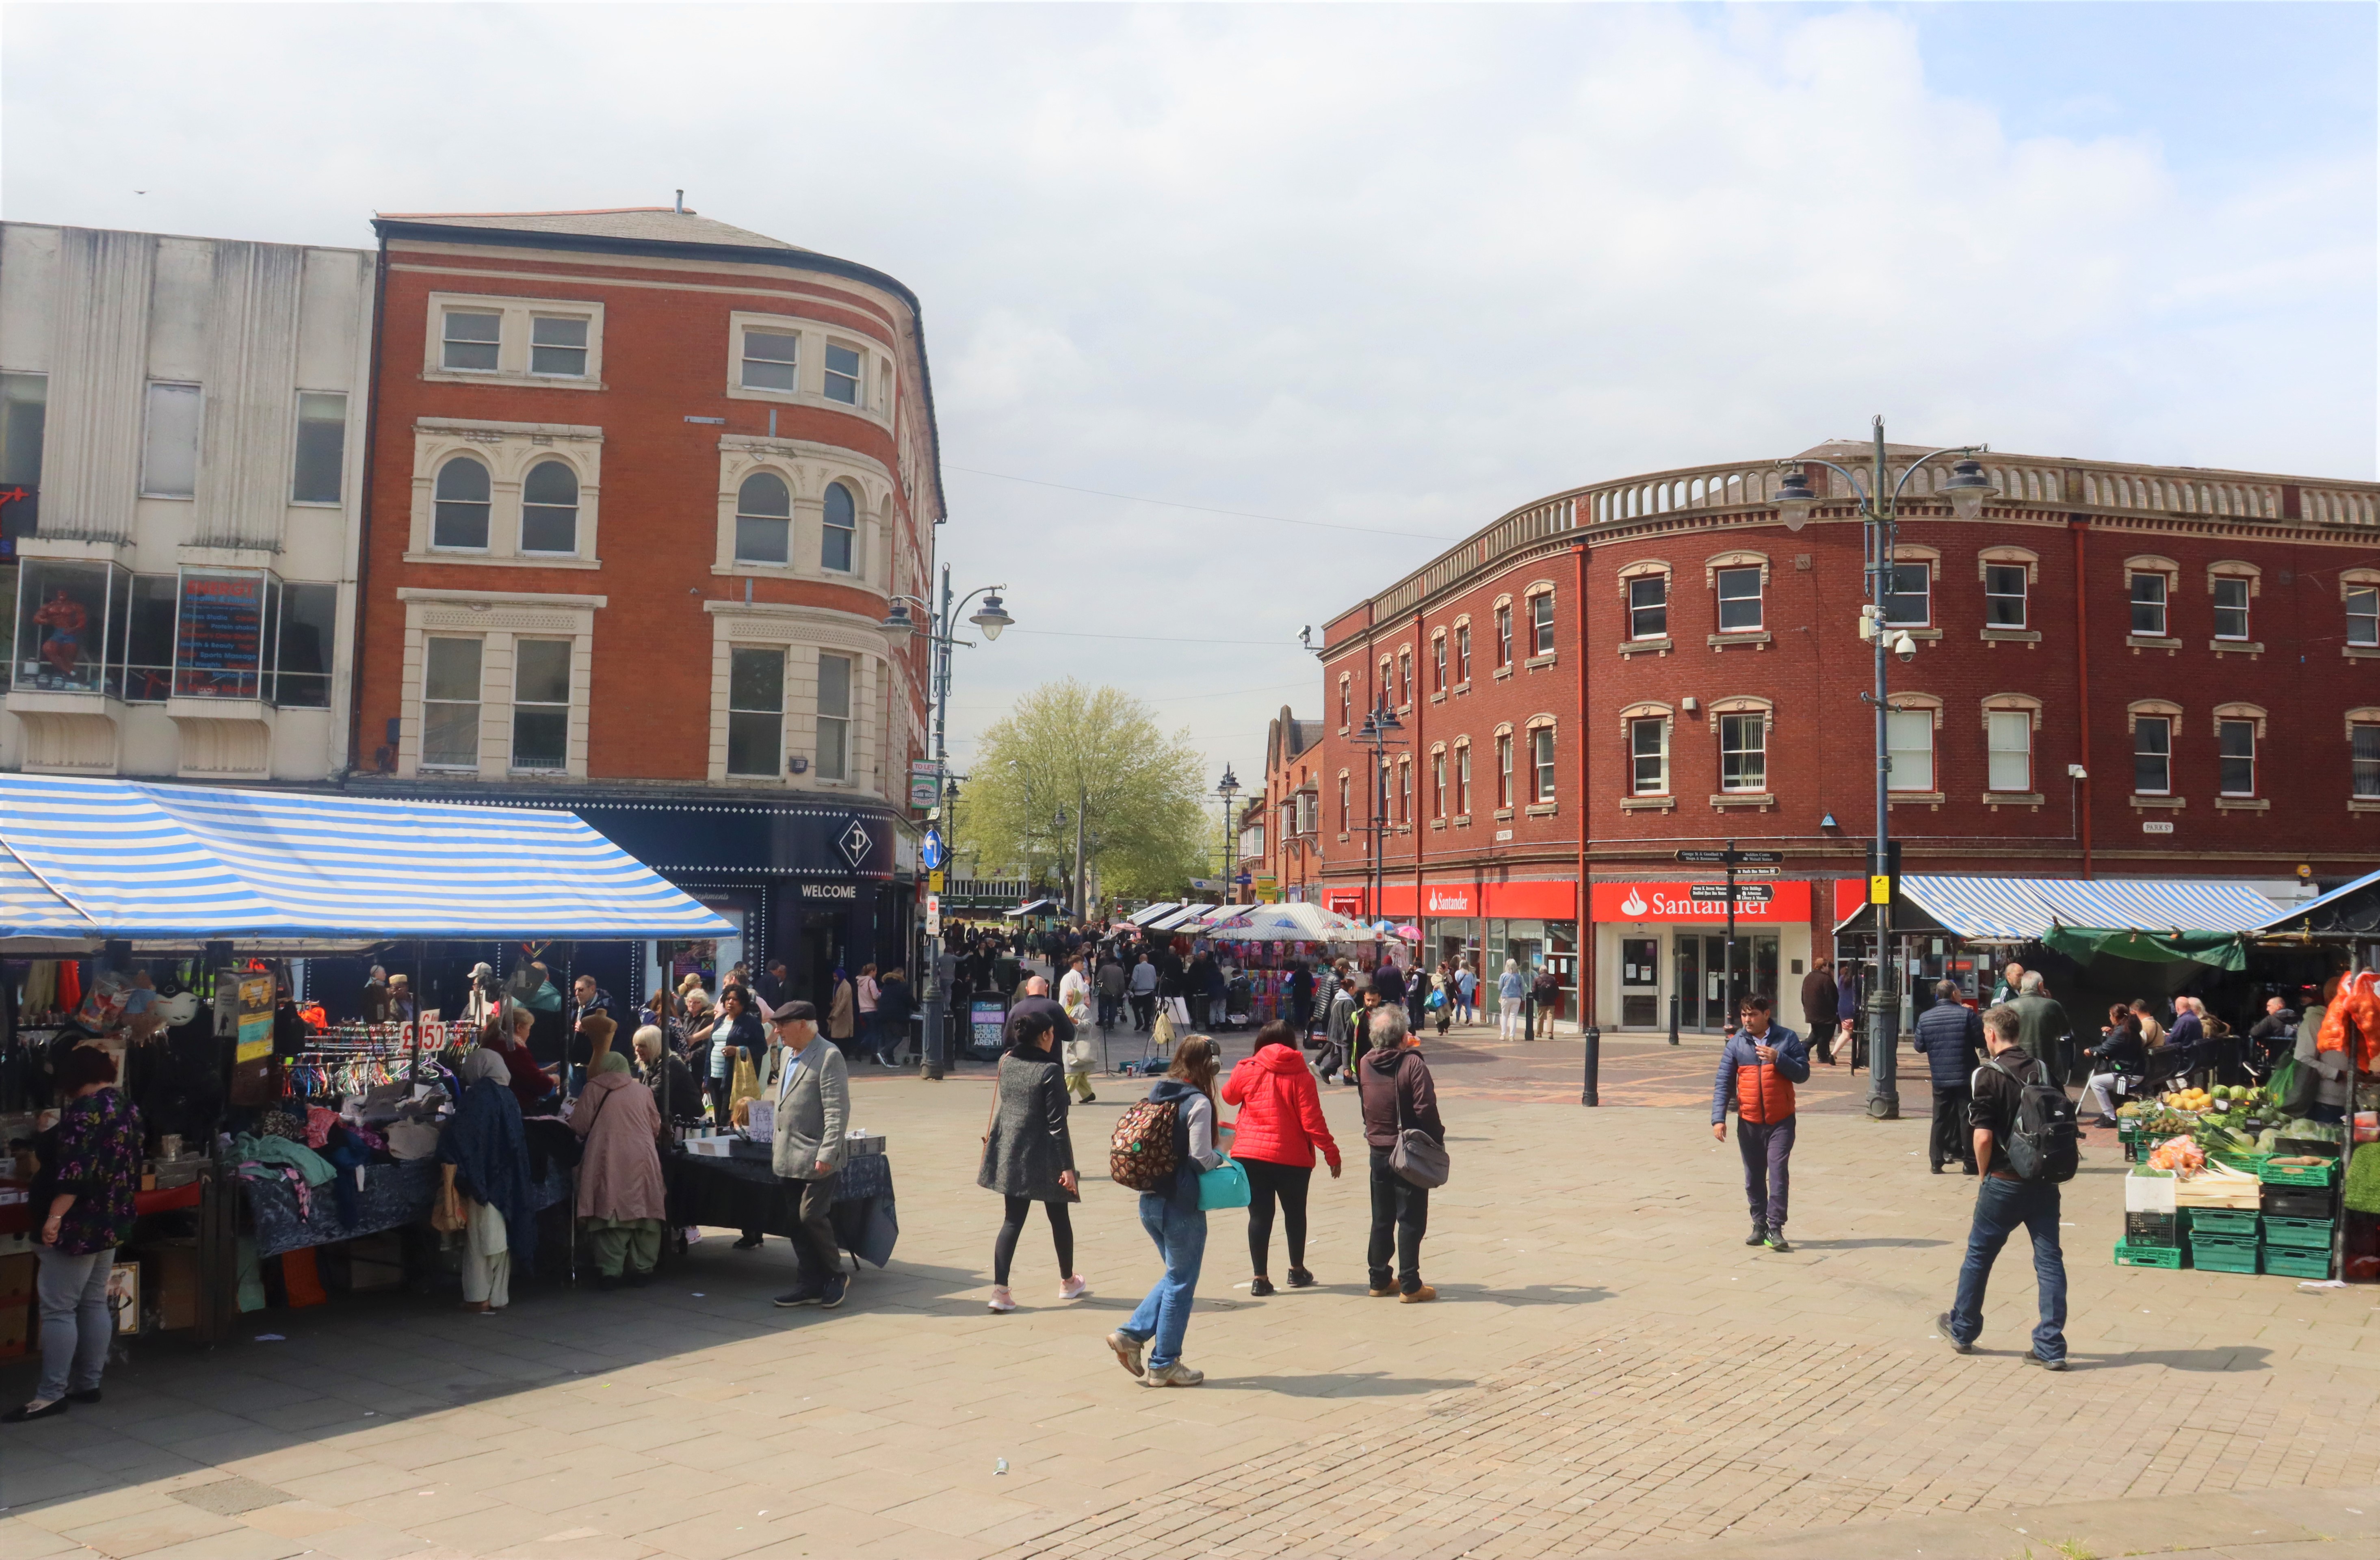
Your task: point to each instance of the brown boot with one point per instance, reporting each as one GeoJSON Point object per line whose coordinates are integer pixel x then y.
{"type": "Point", "coordinates": [1422, 1296]}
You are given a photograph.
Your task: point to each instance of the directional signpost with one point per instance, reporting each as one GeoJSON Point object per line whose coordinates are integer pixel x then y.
{"type": "Point", "coordinates": [1762, 863]}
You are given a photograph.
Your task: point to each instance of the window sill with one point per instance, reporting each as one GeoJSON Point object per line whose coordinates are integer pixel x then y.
{"type": "Point", "coordinates": [1543, 809]}
{"type": "Point", "coordinates": [1549, 658]}
{"type": "Point", "coordinates": [1504, 814]}
{"type": "Point", "coordinates": [2140, 642]}
{"type": "Point", "coordinates": [1461, 688]}
{"type": "Point", "coordinates": [1462, 820]}
{"type": "Point", "coordinates": [802, 398]}
{"type": "Point", "coordinates": [505, 561]}
{"type": "Point", "coordinates": [1345, 836]}
{"type": "Point", "coordinates": [1996, 800]}
{"type": "Point", "coordinates": [517, 380]}
{"type": "Point", "coordinates": [1437, 697]}
{"type": "Point", "coordinates": [2243, 805]}
{"type": "Point", "coordinates": [1743, 799]}
{"type": "Point", "coordinates": [1915, 798]}
{"type": "Point", "coordinates": [1757, 636]}
{"type": "Point", "coordinates": [1501, 673]}
{"type": "Point", "coordinates": [1648, 804]}
{"type": "Point", "coordinates": [1438, 825]}
{"type": "Point", "coordinates": [2011, 636]}
{"type": "Point", "coordinates": [2248, 648]}
{"type": "Point", "coordinates": [1660, 646]}
{"type": "Point", "coordinates": [2364, 806]}
{"type": "Point", "coordinates": [2172, 803]}
{"type": "Point", "coordinates": [1915, 631]}
{"type": "Point", "coordinates": [2360, 652]}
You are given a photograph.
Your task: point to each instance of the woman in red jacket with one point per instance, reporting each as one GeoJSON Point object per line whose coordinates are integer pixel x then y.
{"type": "Point", "coordinates": [1279, 1125]}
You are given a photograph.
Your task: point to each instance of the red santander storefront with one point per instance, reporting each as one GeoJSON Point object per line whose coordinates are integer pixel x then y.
{"type": "Point", "coordinates": [1660, 942]}
{"type": "Point", "coordinates": [1535, 922]}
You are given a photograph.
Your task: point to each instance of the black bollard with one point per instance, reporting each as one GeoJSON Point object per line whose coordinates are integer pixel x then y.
{"type": "Point", "coordinates": [1673, 1018]}
{"type": "Point", "coordinates": [1587, 1095]}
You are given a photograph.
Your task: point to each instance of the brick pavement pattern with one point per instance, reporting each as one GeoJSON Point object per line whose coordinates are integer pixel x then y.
{"type": "Point", "coordinates": [1608, 1367]}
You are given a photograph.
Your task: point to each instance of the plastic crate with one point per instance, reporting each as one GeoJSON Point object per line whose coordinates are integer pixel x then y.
{"type": "Point", "coordinates": [2130, 1255]}
{"type": "Point", "coordinates": [2297, 1175]}
{"type": "Point", "coordinates": [2220, 1255]}
{"type": "Point", "coordinates": [2152, 1229]}
{"type": "Point", "coordinates": [2304, 1234]}
{"type": "Point", "coordinates": [2297, 1263]}
{"type": "Point", "coordinates": [2291, 1203]}
{"type": "Point", "coordinates": [2231, 1223]}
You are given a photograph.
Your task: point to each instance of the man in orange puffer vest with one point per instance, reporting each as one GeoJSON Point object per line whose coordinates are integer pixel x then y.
{"type": "Point", "coordinates": [1757, 1069]}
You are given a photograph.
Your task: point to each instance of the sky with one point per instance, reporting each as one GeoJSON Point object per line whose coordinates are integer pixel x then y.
{"type": "Point", "coordinates": [1303, 295]}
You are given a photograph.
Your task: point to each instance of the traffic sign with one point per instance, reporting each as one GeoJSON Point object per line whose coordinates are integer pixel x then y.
{"type": "Point", "coordinates": [930, 853]}
{"type": "Point", "coordinates": [934, 882]}
{"type": "Point", "coordinates": [1745, 893]}
{"type": "Point", "coordinates": [933, 915]}
{"type": "Point", "coordinates": [1721, 858]}
{"type": "Point", "coordinates": [1757, 871]}
{"type": "Point", "coordinates": [1702, 856]}
{"type": "Point", "coordinates": [1760, 855]}
{"type": "Point", "coordinates": [1244, 879]}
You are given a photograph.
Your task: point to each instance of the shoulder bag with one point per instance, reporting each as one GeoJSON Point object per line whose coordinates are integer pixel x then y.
{"type": "Point", "coordinates": [1417, 1157]}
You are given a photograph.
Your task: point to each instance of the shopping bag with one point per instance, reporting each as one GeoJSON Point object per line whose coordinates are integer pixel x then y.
{"type": "Point", "coordinates": [446, 1213]}
{"type": "Point", "coordinates": [1225, 1186]}
{"type": "Point", "coordinates": [746, 1084]}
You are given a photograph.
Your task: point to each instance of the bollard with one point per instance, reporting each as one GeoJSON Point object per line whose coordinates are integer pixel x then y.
{"type": "Point", "coordinates": [1594, 1065]}
{"type": "Point", "coordinates": [1673, 1018]}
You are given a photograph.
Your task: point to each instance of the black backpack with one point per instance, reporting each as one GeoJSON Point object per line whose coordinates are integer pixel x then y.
{"type": "Point", "coordinates": [2041, 1143]}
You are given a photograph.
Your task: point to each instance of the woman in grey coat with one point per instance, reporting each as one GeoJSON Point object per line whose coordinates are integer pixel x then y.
{"type": "Point", "coordinates": [1027, 1156]}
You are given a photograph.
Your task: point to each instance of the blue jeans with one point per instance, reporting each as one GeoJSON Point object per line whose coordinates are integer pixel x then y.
{"type": "Point", "coordinates": [1181, 1238]}
{"type": "Point", "coordinates": [76, 1327]}
{"type": "Point", "coordinates": [2000, 1206]}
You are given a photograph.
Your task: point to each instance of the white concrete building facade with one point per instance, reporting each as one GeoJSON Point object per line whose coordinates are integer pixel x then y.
{"type": "Point", "coordinates": [182, 434]}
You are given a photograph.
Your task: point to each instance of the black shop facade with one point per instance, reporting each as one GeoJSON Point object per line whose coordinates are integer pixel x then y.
{"type": "Point", "coordinates": [817, 884]}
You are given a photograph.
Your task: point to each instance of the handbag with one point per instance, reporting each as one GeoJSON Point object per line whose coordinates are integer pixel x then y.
{"type": "Point", "coordinates": [1417, 1158]}
{"type": "Point", "coordinates": [446, 1213]}
{"type": "Point", "coordinates": [1225, 1186]}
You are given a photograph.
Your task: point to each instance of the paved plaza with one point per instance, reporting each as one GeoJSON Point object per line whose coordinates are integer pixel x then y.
{"type": "Point", "coordinates": [1608, 1367]}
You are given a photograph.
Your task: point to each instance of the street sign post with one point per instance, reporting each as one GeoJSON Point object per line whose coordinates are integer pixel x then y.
{"type": "Point", "coordinates": [1762, 863]}
{"type": "Point", "coordinates": [934, 914]}
{"type": "Point", "coordinates": [929, 851]}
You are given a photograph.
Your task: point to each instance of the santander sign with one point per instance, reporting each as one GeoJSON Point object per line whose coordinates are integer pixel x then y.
{"type": "Point", "coordinates": [1789, 901]}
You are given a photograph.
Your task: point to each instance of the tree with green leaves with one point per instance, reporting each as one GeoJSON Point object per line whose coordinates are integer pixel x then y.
{"type": "Point", "coordinates": [1067, 747]}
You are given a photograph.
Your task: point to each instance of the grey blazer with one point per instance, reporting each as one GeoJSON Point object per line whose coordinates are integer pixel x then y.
{"type": "Point", "coordinates": [813, 1110]}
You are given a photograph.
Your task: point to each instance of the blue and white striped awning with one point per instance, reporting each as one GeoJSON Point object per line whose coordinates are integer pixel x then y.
{"type": "Point", "coordinates": [182, 863]}
{"type": "Point", "coordinates": [2022, 908]}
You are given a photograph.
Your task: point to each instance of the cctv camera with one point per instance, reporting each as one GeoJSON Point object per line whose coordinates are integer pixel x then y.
{"type": "Point", "coordinates": [1904, 647]}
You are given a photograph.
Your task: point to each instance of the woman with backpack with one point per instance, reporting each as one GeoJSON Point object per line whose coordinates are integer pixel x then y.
{"type": "Point", "coordinates": [1028, 1156]}
{"type": "Point", "coordinates": [1167, 1139]}
{"type": "Point", "coordinates": [1273, 1140]}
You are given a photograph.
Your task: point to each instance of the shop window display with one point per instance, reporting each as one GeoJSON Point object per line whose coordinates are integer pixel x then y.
{"type": "Point", "coordinates": [309, 622]}
{"type": "Point", "coordinates": [62, 625]}
{"type": "Point", "coordinates": [220, 632]}
{"type": "Point", "coordinates": [149, 642]}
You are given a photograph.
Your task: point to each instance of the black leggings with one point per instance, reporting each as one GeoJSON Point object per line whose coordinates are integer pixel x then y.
{"type": "Point", "coordinates": [1062, 1232]}
{"type": "Point", "coordinates": [1266, 1181]}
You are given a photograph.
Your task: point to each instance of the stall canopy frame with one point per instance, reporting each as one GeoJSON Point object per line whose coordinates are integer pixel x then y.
{"type": "Point", "coordinates": [2351, 911]}
{"type": "Point", "coordinates": [2139, 919]}
{"type": "Point", "coordinates": [172, 867]}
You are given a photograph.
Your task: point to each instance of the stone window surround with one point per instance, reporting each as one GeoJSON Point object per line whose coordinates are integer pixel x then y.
{"type": "Point", "coordinates": [2238, 710]}
{"type": "Point", "coordinates": [807, 469]}
{"type": "Point", "coordinates": [2008, 555]}
{"type": "Point", "coordinates": [513, 340]}
{"type": "Point", "coordinates": [783, 625]}
{"type": "Point", "coordinates": [508, 450]}
{"type": "Point", "coordinates": [809, 369]}
{"type": "Point", "coordinates": [495, 618]}
{"type": "Point", "coordinates": [1649, 709]}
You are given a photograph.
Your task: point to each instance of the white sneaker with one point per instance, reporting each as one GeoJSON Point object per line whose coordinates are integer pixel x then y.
{"type": "Point", "coordinates": [1074, 1288]}
{"type": "Point", "coordinates": [1001, 1299]}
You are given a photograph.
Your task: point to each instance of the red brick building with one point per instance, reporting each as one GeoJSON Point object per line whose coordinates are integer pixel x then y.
{"type": "Point", "coordinates": [1278, 842]}
{"type": "Point", "coordinates": [2120, 671]}
{"type": "Point", "coordinates": [641, 486]}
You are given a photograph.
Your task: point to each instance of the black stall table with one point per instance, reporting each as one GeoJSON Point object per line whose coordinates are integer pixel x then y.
{"type": "Point", "coordinates": [744, 1193]}
{"type": "Point", "coordinates": [390, 1195]}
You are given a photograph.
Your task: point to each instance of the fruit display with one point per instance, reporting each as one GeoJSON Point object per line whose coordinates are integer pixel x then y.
{"type": "Point", "coordinates": [2179, 1154]}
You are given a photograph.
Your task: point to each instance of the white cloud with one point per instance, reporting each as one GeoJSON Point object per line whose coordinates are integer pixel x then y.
{"type": "Point", "coordinates": [1403, 268]}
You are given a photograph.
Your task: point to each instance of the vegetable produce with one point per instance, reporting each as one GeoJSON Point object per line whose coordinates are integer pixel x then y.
{"type": "Point", "coordinates": [2180, 1154]}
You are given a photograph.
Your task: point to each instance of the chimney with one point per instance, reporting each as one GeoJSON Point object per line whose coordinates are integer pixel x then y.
{"type": "Point", "coordinates": [680, 207]}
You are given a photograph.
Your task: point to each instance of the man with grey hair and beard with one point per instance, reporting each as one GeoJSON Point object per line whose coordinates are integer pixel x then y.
{"type": "Point", "coordinates": [2043, 1028]}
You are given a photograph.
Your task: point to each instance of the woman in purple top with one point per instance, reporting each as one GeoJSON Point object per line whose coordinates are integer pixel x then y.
{"type": "Point", "coordinates": [90, 1167]}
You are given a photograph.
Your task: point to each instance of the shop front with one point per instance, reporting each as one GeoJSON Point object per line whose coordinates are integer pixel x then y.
{"type": "Point", "coordinates": [1533, 923]}
{"type": "Point", "coordinates": [1659, 944]}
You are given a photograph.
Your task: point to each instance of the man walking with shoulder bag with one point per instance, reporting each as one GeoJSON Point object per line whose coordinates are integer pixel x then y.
{"type": "Point", "coordinates": [2025, 1140]}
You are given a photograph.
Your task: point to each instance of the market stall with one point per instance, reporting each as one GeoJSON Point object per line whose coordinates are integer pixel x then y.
{"type": "Point", "coordinates": [2224, 1179]}
{"type": "Point", "coordinates": [1266, 938]}
{"type": "Point", "coordinates": [299, 1145]}
{"type": "Point", "coordinates": [725, 1183]}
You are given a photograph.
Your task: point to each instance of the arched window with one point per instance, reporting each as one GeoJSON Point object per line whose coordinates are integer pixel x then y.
{"type": "Point", "coordinates": [764, 520]}
{"type": "Point", "coordinates": [835, 547]}
{"type": "Point", "coordinates": [550, 509]}
{"type": "Point", "coordinates": [461, 518]}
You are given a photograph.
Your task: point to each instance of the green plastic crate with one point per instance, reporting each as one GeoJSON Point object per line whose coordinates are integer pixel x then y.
{"type": "Point", "coordinates": [2304, 1234]}
{"type": "Point", "coordinates": [2148, 1256]}
{"type": "Point", "coordinates": [2297, 1175]}
{"type": "Point", "coordinates": [2238, 1224]}
{"type": "Point", "coordinates": [2297, 1263]}
{"type": "Point", "coordinates": [2218, 1255]}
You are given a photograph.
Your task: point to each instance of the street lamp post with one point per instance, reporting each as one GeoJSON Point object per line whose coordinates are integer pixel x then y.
{"type": "Point", "coordinates": [1228, 788]}
{"type": "Point", "coordinates": [1380, 728]}
{"type": "Point", "coordinates": [1879, 510]}
{"type": "Point", "coordinates": [897, 626]}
